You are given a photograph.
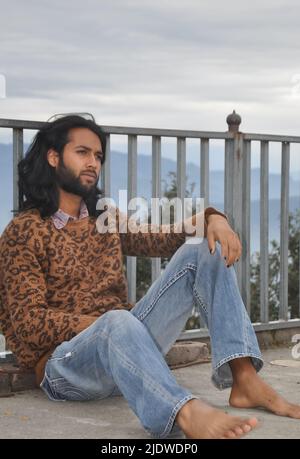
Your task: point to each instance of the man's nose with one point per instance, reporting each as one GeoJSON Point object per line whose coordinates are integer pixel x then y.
{"type": "Point", "coordinates": [92, 162]}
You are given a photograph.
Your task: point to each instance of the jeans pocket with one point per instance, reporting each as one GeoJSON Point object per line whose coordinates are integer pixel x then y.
{"type": "Point", "coordinates": [49, 388]}
{"type": "Point", "coordinates": [63, 390]}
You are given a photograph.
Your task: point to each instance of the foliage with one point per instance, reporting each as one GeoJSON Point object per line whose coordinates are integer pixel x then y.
{"type": "Point", "coordinates": [274, 275]}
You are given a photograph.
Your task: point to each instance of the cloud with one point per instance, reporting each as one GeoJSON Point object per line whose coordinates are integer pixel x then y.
{"type": "Point", "coordinates": [153, 63]}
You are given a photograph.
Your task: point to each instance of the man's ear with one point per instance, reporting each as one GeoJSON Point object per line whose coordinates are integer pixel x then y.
{"type": "Point", "coordinates": [53, 157]}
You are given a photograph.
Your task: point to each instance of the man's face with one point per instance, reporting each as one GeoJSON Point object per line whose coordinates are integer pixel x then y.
{"type": "Point", "coordinates": [79, 167]}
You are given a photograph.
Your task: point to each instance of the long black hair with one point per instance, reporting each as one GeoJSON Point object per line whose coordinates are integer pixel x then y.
{"type": "Point", "coordinates": [37, 179]}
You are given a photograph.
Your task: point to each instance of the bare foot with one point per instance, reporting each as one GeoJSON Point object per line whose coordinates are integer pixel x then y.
{"type": "Point", "coordinates": [198, 420]}
{"type": "Point", "coordinates": [250, 391]}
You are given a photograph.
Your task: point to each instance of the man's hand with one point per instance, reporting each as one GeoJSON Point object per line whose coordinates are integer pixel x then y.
{"type": "Point", "coordinates": [218, 229]}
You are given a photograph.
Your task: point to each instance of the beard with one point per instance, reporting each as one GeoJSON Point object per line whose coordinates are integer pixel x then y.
{"type": "Point", "coordinates": [69, 182]}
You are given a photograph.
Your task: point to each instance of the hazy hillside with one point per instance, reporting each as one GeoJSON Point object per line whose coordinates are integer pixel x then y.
{"type": "Point", "coordinates": [119, 181]}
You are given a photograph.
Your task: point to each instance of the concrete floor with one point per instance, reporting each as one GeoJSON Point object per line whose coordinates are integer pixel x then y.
{"type": "Point", "coordinates": [31, 415]}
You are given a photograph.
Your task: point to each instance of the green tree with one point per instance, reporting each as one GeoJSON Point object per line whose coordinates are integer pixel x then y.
{"type": "Point", "coordinates": [274, 275]}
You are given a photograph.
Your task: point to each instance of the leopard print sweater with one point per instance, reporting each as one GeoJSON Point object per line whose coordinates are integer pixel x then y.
{"type": "Point", "coordinates": [55, 283]}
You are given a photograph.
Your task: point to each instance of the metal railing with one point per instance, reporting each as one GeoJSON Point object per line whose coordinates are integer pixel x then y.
{"type": "Point", "coordinates": [236, 197]}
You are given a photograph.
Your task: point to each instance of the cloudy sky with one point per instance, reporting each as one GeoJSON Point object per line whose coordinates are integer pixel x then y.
{"type": "Point", "coordinates": [174, 64]}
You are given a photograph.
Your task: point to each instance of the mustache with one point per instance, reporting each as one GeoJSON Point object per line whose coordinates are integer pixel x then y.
{"type": "Point", "coordinates": [89, 173]}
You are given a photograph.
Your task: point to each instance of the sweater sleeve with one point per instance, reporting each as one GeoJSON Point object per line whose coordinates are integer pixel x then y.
{"type": "Point", "coordinates": [35, 324]}
{"type": "Point", "coordinates": [159, 240]}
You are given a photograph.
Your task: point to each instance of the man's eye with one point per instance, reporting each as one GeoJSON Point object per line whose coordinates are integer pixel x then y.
{"type": "Point", "coordinates": [81, 151]}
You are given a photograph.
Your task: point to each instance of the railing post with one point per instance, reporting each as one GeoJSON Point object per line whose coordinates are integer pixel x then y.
{"type": "Point", "coordinates": [132, 193]}
{"type": "Point", "coordinates": [284, 232]}
{"type": "Point", "coordinates": [264, 232]}
{"type": "Point", "coordinates": [2, 346]}
{"type": "Point", "coordinates": [204, 171]}
{"type": "Point", "coordinates": [156, 193]}
{"type": "Point", "coordinates": [17, 156]}
{"type": "Point", "coordinates": [237, 197]}
{"type": "Point", "coordinates": [246, 236]}
{"type": "Point", "coordinates": [105, 170]}
{"type": "Point", "coordinates": [181, 170]}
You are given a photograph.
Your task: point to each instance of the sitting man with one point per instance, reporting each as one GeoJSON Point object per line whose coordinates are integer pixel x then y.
{"type": "Point", "coordinates": [63, 297]}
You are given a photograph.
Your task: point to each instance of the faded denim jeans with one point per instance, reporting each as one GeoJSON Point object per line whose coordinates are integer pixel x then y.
{"type": "Point", "coordinates": [122, 352]}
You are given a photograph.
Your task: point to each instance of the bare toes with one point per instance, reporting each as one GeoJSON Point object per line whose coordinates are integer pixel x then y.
{"type": "Point", "coordinates": [230, 434]}
{"type": "Point", "coordinates": [252, 422]}
{"type": "Point", "coordinates": [246, 428]}
{"type": "Point", "coordinates": [238, 431]}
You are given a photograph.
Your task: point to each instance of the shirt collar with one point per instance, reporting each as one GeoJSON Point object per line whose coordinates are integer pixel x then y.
{"type": "Point", "coordinates": [61, 218]}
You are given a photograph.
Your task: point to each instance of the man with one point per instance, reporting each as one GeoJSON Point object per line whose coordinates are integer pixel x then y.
{"type": "Point", "coordinates": [63, 297]}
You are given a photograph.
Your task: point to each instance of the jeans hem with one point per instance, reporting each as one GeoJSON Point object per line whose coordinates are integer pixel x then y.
{"type": "Point", "coordinates": [171, 420]}
{"type": "Point", "coordinates": [225, 383]}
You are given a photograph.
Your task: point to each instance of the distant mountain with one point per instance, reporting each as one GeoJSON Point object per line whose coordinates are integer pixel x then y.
{"type": "Point", "coordinates": [119, 181]}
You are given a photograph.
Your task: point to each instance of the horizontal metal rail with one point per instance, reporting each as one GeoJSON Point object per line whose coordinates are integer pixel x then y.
{"type": "Point", "coordinates": [128, 130]}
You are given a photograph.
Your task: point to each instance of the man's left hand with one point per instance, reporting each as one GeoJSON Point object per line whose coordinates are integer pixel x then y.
{"type": "Point", "coordinates": [218, 229]}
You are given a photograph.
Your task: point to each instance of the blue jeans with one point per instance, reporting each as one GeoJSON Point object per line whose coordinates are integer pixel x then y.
{"type": "Point", "coordinates": [122, 351]}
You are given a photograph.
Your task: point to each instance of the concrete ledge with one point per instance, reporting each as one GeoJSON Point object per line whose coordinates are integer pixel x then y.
{"type": "Point", "coordinates": [14, 379]}
{"type": "Point", "coordinates": [267, 339]}
{"type": "Point", "coordinates": [187, 353]}
{"type": "Point", "coordinates": [279, 337]}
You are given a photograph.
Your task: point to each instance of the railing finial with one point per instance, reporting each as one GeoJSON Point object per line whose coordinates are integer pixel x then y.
{"type": "Point", "coordinates": [233, 120]}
